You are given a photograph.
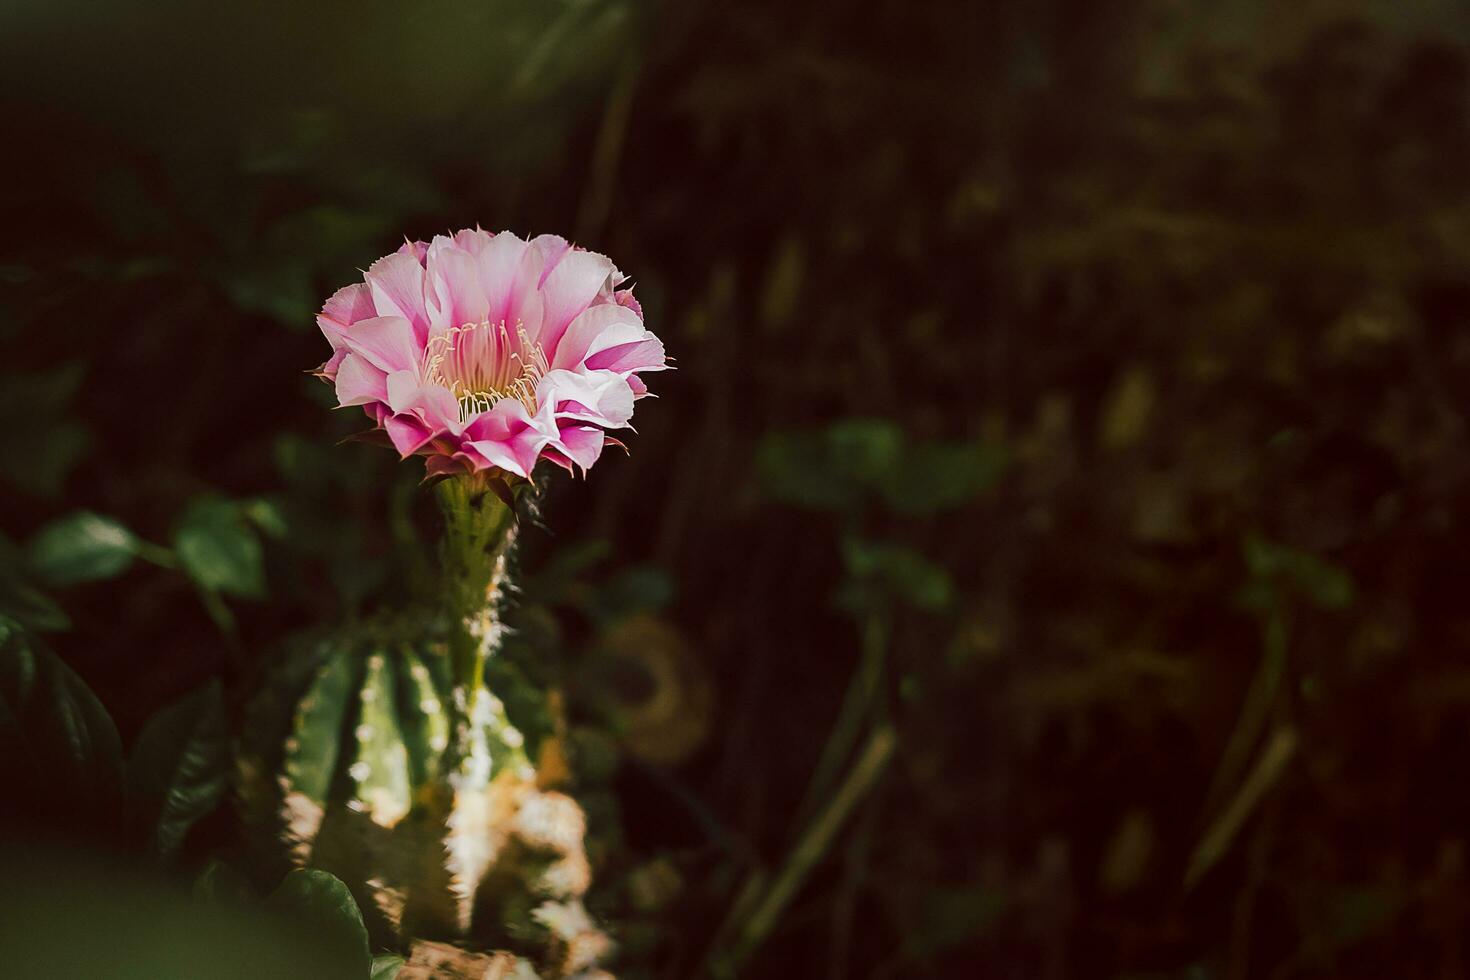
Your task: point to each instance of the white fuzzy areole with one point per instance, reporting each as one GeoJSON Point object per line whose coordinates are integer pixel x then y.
{"type": "Point", "coordinates": [469, 852]}
{"type": "Point", "coordinates": [470, 844]}
{"type": "Point", "coordinates": [551, 820]}
{"type": "Point", "coordinates": [388, 900]}
{"type": "Point", "coordinates": [302, 818]}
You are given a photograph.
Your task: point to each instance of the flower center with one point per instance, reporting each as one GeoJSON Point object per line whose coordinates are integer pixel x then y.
{"type": "Point", "coordinates": [481, 363]}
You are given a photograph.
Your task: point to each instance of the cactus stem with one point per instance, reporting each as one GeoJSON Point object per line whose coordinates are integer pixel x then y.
{"type": "Point", "coordinates": [479, 534]}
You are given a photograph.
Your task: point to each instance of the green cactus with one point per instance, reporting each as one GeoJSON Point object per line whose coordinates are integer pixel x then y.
{"type": "Point", "coordinates": [380, 753]}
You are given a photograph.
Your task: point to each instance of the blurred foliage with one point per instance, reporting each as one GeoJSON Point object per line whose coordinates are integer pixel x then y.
{"type": "Point", "coordinates": [1074, 390]}
{"type": "Point", "coordinates": [63, 914]}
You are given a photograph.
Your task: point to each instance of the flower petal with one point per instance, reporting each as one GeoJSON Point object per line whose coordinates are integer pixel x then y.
{"type": "Point", "coordinates": [526, 308]}
{"type": "Point", "coordinates": [387, 341]}
{"type": "Point", "coordinates": [508, 437]}
{"type": "Point", "coordinates": [441, 465]}
{"type": "Point", "coordinates": [348, 305]}
{"type": "Point", "coordinates": [408, 434]}
{"type": "Point", "coordinates": [499, 261]}
{"type": "Point", "coordinates": [436, 406]}
{"type": "Point", "coordinates": [431, 404]}
{"type": "Point", "coordinates": [624, 297]}
{"type": "Point", "coordinates": [552, 248]}
{"type": "Point", "coordinates": [640, 355]}
{"type": "Point", "coordinates": [397, 283]}
{"type": "Point", "coordinates": [568, 290]}
{"type": "Point", "coordinates": [581, 443]}
{"type": "Point", "coordinates": [594, 330]}
{"type": "Point", "coordinates": [359, 382]}
{"type": "Point", "coordinates": [454, 280]}
{"type": "Point", "coordinates": [473, 240]}
{"type": "Point", "coordinates": [403, 389]}
{"type": "Point", "coordinates": [419, 250]}
{"type": "Point", "coordinates": [328, 368]}
{"type": "Point", "coordinates": [600, 397]}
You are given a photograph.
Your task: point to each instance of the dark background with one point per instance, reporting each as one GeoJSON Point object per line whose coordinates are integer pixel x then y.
{"type": "Point", "coordinates": [1101, 365]}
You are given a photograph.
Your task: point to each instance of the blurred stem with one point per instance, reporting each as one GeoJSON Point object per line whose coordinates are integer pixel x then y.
{"type": "Point", "coordinates": [861, 694]}
{"type": "Point", "coordinates": [860, 697]}
{"type": "Point", "coordinates": [479, 533]}
{"type": "Point", "coordinates": [808, 851]}
{"type": "Point", "coordinates": [1256, 708]}
{"type": "Point", "coordinates": [1222, 832]}
{"type": "Point", "coordinates": [156, 554]}
{"type": "Point", "coordinates": [1243, 915]}
{"type": "Point", "coordinates": [535, 60]}
{"type": "Point", "coordinates": [854, 872]}
{"type": "Point", "coordinates": [224, 620]}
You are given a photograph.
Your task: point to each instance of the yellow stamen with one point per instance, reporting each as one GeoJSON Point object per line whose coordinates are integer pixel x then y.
{"type": "Point", "coordinates": [482, 363]}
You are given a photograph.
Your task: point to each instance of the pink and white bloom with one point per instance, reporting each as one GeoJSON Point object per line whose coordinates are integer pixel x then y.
{"type": "Point", "coordinates": [487, 352]}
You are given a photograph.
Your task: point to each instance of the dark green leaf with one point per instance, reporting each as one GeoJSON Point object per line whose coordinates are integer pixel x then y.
{"type": "Point", "coordinates": [880, 569]}
{"type": "Point", "coordinates": [267, 515]}
{"type": "Point", "coordinates": [322, 902]}
{"type": "Point", "coordinates": [794, 470]}
{"type": "Point", "coordinates": [178, 770]}
{"type": "Point", "coordinates": [58, 746]}
{"type": "Point", "coordinates": [832, 469]}
{"type": "Point", "coordinates": [641, 588]}
{"type": "Point", "coordinates": [386, 967]}
{"type": "Point", "coordinates": [81, 547]}
{"type": "Point", "coordinates": [219, 883]}
{"type": "Point", "coordinates": [865, 451]}
{"type": "Point", "coordinates": [38, 445]}
{"type": "Point", "coordinates": [1274, 567]}
{"type": "Point", "coordinates": [39, 465]}
{"type": "Point", "coordinates": [939, 476]}
{"type": "Point", "coordinates": [219, 550]}
{"type": "Point", "coordinates": [862, 459]}
{"type": "Point", "coordinates": [30, 607]}
{"type": "Point", "coordinates": [65, 914]}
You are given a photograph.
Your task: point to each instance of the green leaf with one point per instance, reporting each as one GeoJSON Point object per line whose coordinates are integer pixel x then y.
{"type": "Point", "coordinates": [40, 463]}
{"type": "Point", "coordinates": [880, 569]}
{"type": "Point", "coordinates": [65, 913]}
{"type": "Point", "coordinates": [29, 606]}
{"type": "Point", "coordinates": [219, 550]}
{"type": "Point", "coordinates": [858, 460]}
{"type": "Point", "coordinates": [793, 470]}
{"type": "Point", "coordinates": [1273, 566]}
{"type": "Point", "coordinates": [865, 450]}
{"type": "Point", "coordinates": [639, 588]}
{"type": "Point", "coordinates": [320, 901]}
{"type": "Point", "coordinates": [267, 515]}
{"type": "Point", "coordinates": [179, 768]}
{"type": "Point", "coordinates": [38, 445]}
{"type": "Point", "coordinates": [55, 736]}
{"type": "Point", "coordinates": [221, 884]}
{"type": "Point", "coordinates": [386, 967]}
{"type": "Point", "coordinates": [81, 547]}
{"type": "Point", "coordinates": [934, 476]}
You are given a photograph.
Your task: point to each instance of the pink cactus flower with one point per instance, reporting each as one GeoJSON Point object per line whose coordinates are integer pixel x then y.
{"type": "Point", "coordinates": [484, 352]}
